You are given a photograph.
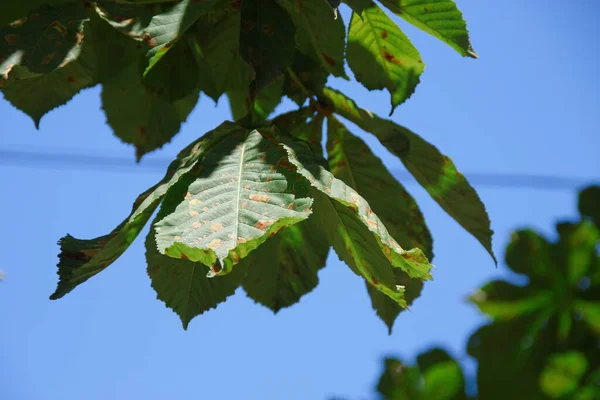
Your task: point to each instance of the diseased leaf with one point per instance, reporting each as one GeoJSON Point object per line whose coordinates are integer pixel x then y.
{"type": "Point", "coordinates": [165, 29]}
{"type": "Point", "coordinates": [47, 39]}
{"type": "Point", "coordinates": [176, 76]}
{"type": "Point", "coordinates": [37, 94]}
{"type": "Point", "coordinates": [181, 284]}
{"type": "Point", "coordinates": [311, 75]}
{"type": "Point", "coordinates": [355, 231]}
{"type": "Point", "coordinates": [351, 160]}
{"type": "Point", "coordinates": [131, 19]}
{"type": "Point", "coordinates": [217, 50]}
{"type": "Point", "coordinates": [319, 34]}
{"type": "Point", "coordinates": [15, 10]}
{"type": "Point", "coordinates": [266, 40]}
{"type": "Point", "coordinates": [433, 170]}
{"type": "Point", "coordinates": [264, 104]}
{"type": "Point", "coordinates": [138, 115]}
{"type": "Point", "coordinates": [381, 56]}
{"type": "Point", "coordinates": [439, 18]}
{"type": "Point", "coordinates": [244, 191]}
{"type": "Point", "coordinates": [80, 259]}
{"type": "Point", "coordinates": [284, 268]}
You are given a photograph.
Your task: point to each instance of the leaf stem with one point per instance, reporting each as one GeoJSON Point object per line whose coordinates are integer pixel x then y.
{"type": "Point", "coordinates": [311, 97]}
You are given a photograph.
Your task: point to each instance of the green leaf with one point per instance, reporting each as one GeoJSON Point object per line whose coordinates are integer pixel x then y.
{"type": "Point", "coordinates": [310, 73]}
{"type": "Point", "coordinates": [139, 115]}
{"type": "Point", "coordinates": [529, 253]}
{"type": "Point", "coordinates": [442, 374]}
{"type": "Point", "coordinates": [381, 56]}
{"type": "Point", "coordinates": [37, 94]}
{"type": "Point", "coordinates": [165, 29]}
{"type": "Point", "coordinates": [590, 312]}
{"type": "Point", "coordinates": [503, 300]}
{"type": "Point", "coordinates": [103, 53]}
{"type": "Point", "coordinates": [358, 5]}
{"type": "Point", "coordinates": [399, 382]}
{"type": "Point", "coordinates": [562, 374]}
{"type": "Point", "coordinates": [80, 259]}
{"type": "Point", "coordinates": [181, 284]}
{"type": "Point", "coordinates": [319, 34]}
{"type": "Point", "coordinates": [433, 170]}
{"type": "Point", "coordinates": [284, 268]}
{"type": "Point", "coordinates": [47, 39]}
{"type": "Point", "coordinates": [132, 19]}
{"type": "Point", "coordinates": [443, 381]}
{"type": "Point", "coordinates": [244, 191]}
{"type": "Point", "coordinates": [264, 104]}
{"type": "Point", "coordinates": [176, 76]}
{"type": "Point", "coordinates": [17, 10]}
{"type": "Point", "coordinates": [356, 233]}
{"type": "Point", "coordinates": [351, 160]}
{"type": "Point", "coordinates": [388, 309]}
{"type": "Point", "coordinates": [579, 244]}
{"type": "Point", "coordinates": [589, 200]}
{"type": "Point", "coordinates": [266, 40]}
{"type": "Point", "coordinates": [217, 49]}
{"type": "Point", "coordinates": [439, 18]}
{"type": "Point", "coordinates": [511, 355]}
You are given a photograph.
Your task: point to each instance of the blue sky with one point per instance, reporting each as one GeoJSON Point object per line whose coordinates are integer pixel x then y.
{"type": "Point", "coordinates": [528, 106]}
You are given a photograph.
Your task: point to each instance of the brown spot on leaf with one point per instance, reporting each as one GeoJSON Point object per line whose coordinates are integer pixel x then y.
{"type": "Point", "coordinates": [216, 227]}
{"type": "Point", "coordinates": [261, 198]}
{"type": "Point", "coordinates": [194, 202]}
{"type": "Point", "coordinates": [328, 59]}
{"type": "Point", "coordinates": [241, 240]}
{"type": "Point", "coordinates": [194, 213]}
{"type": "Point", "coordinates": [197, 224]}
{"type": "Point", "coordinates": [384, 34]}
{"type": "Point", "coordinates": [263, 224]}
{"type": "Point", "coordinates": [48, 59]}
{"type": "Point", "coordinates": [11, 38]}
{"type": "Point", "coordinates": [215, 244]}
{"type": "Point", "coordinates": [60, 28]}
{"type": "Point", "coordinates": [188, 195]}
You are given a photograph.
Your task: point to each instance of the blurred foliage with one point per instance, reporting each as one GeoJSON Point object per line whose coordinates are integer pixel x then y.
{"type": "Point", "coordinates": [543, 341]}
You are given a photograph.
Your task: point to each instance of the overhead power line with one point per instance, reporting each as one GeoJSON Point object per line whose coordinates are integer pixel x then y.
{"type": "Point", "coordinates": [71, 161]}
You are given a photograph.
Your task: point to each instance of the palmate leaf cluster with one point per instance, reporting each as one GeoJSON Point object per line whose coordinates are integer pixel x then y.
{"type": "Point", "coordinates": [542, 342]}
{"type": "Point", "coordinates": [258, 202]}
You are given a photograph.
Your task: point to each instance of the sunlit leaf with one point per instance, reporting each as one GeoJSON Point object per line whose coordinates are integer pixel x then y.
{"type": "Point", "coordinates": [80, 259]}
{"type": "Point", "coordinates": [381, 56]}
{"type": "Point", "coordinates": [356, 233]}
{"type": "Point", "coordinates": [244, 191]}
{"type": "Point", "coordinates": [351, 160]}
{"type": "Point", "coordinates": [165, 29]}
{"type": "Point", "coordinates": [433, 170]}
{"type": "Point", "coordinates": [440, 18]}
{"type": "Point", "coordinates": [181, 284]}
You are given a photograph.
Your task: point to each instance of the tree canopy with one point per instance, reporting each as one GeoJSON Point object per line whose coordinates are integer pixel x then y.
{"type": "Point", "coordinates": [256, 202]}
